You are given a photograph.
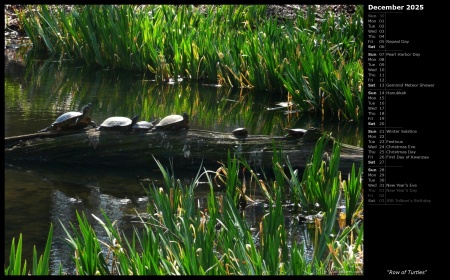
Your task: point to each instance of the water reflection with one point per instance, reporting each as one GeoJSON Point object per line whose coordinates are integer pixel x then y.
{"type": "Point", "coordinates": [65, 207]}
{"type": "Point", "coordinates": [49, 89]}
{"type": "Point", "coordinates": [36, 196]}
{"type": "Point", "coordinates": [39, 194]}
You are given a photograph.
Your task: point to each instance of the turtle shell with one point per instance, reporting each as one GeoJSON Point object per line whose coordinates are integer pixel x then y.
{"type": "Point", "coordinates": [67, 118]}
{"type": "Point", "coordinates": [174, 122]}
{"type": "Point", "coordinates": [143, 125]}
{"type": "Point", "coordinates": [118, 123]}
{"type": "Point", "coordinates": [240, 132]}
{"type": "Point", "coordinates": [296, 132]}
{"type": "Point", "coordinates": [72, 120]}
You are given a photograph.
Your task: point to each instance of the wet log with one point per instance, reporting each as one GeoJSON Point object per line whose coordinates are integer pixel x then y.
{"type": "Point", "coordinates": [183, 149]}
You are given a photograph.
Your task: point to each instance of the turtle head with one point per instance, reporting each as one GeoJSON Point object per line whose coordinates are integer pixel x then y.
{"type": "Point", "coordinates": [134, 120]}
{"type": "Point", "coordinates": [185, 120]}
{"type": "Point", "coordinates": [87, 109]}
{"type": "Point", "coordinates": [185, 116]}
{"type": "Point", "coordinates": [86, 114]}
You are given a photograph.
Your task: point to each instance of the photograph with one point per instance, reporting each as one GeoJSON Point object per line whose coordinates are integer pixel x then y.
{"type": "Point", "coordinates": [218, 139]}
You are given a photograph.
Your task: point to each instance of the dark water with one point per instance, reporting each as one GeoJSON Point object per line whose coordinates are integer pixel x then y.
{"type": "Point", "coordinates": [37, 194]}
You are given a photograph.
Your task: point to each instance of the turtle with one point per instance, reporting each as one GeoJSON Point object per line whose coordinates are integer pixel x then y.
{"type": "Point", "coordinates": [118, 123]}
{"type": "Point", "coordinates": [240, 132]}
{"type": "Point", "coordinates": [296, 132]}
{"type": "Point", "coordinates": [173, 122]}
{"type": "Point", "coordinates": [72, 120]}
{"type": "Point", "coordinates": [142, 126]}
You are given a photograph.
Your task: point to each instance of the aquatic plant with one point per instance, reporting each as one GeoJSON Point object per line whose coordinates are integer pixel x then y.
{"type": "Point", "coordinates": [318, 64]}
{"type": "Point", "coordinates": [178, 237]}
{"type": "Point", "coordinates": [40, 266]}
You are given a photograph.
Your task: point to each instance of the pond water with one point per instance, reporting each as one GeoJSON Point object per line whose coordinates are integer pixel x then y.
{"type": "Point", "coordinates": [37, 194]}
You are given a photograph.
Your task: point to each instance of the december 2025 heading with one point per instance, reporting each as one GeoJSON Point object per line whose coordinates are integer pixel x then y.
{"type": "Point", "coordinates": [395, 7]}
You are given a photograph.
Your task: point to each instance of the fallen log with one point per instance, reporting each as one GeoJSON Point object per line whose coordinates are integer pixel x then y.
{"type": "Point", "coordinates": [184, 148]}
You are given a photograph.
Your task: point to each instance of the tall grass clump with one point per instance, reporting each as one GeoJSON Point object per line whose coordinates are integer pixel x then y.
{"type": "Point", "coordinates": [323, 186]}
{"type": "Point", "coordinates": [88, 256]}
{"type": "Point", "coordinates": [317, 63]}
{"type": "Point", "coordinates": [40, 266]}
{"type": "Point", "coordinates": [324, 73]}
{"type": "Point", "coordinates": [320, 193]}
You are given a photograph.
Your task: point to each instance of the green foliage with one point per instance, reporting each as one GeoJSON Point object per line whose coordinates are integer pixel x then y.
{"type": "Point", "coordinates": [40, 266]}
{"type": "Point", "coordinates": [176, 237]}
{"type": "Point", "coordinates": [317, 63]}
{"type": "Point", "coordinates": [353, 197]}
{"type": "Point", "coordinates": [88, 256]}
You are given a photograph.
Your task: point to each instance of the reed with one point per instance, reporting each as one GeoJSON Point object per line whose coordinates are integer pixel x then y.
{"type": "Point", "coordinates": [40, 266]}
{"type": "Point", "coordinates": [88, 256]}
{"type": "Point", "coordinates": [353, 195]}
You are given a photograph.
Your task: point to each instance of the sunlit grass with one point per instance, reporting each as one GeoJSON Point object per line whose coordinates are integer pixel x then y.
{"type": "Point", "coordinates": [319, 63]}
{"type": "Point", "coordinates": [40, 266]}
